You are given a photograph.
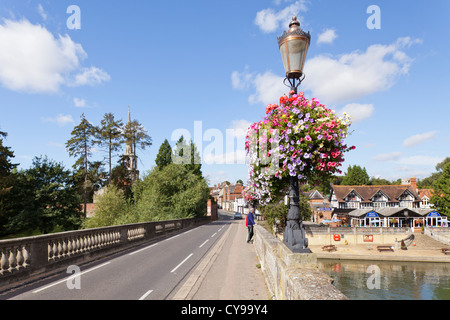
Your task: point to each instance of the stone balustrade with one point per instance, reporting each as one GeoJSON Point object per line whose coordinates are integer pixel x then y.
{"type": "Point", "coordinates": [24, 259]}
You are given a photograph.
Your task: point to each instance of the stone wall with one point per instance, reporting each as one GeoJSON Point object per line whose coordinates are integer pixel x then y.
{"type": "Point", "coordinates": [292, 276]}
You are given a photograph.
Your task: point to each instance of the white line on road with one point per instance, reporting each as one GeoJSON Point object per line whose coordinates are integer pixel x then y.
{"type": "Point", "coordinates": [71, 277]}
{"type": "Point", "coordinates": [203, 243]}
{"type": "Point", "coordinates": [130, 254]}
{"type": "Point", "coordinates": [146, 295]}
{"type": "Point", "coordinates": [213, 235]}
{"type": "Point", "coordinates": [182, 262]}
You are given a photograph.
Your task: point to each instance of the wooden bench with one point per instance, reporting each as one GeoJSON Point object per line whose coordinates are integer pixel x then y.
{"type": "Point", "coordinates": [329, 248]}
{"type": "Point", "coordinates": [446, 250]}
{"type": "Point", "coordinates": [385, 248]}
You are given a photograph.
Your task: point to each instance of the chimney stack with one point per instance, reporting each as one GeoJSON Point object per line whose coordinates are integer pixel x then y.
{"type": "Point", "coordinates": [413, 182]}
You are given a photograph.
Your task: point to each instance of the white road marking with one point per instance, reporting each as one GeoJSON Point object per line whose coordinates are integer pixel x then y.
{"type": "Point", "coordinates": [71, 277]}
{"type": "Point", "coordinates": [203, 243]}
{"type": "Point", "coordinates": [130, 254]}
{"type": "Point", "coordinates": [182, 262]}
{"type": "Point", "coordinates": [146, 295]}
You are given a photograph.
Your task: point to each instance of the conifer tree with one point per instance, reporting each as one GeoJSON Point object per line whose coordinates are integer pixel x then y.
{"type": "Point", "coordinates": [80, 147]}
{"type": "Point", "coordinates": [164, 156]}
{"type": "Point", "coordinates": [108, 136]}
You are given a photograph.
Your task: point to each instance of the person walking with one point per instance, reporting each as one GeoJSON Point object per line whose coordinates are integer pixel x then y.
{"type": "Point", "coordinates": [249, 223]}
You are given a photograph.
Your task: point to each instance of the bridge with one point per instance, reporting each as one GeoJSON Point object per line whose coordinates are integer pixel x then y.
{"type": "Point", "coordinates": [188, 259]}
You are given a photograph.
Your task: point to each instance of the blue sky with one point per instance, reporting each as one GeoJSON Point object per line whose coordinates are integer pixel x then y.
{"type": "Point", "coordinates": [209, 68]}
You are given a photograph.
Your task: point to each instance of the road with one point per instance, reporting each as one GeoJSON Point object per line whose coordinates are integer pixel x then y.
{"type": "Point", "coordinates": [148, 272]}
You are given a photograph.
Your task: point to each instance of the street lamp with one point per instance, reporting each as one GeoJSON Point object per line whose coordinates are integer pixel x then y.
{"type": "Point", "coordinates": [293, 47]}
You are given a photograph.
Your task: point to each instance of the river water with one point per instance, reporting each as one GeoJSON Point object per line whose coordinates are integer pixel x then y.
{"type": "Point", "coordinates": [383, 280]}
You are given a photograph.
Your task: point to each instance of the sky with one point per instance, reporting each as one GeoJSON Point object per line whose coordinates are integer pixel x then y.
{"type": "Point", "coordinates": [207, 69]}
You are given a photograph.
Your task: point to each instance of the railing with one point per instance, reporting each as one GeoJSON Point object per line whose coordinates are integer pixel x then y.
{"type": "Point", "coordinates": [25, 258]}
{"type": "Point", "coordinates": [355, 230]}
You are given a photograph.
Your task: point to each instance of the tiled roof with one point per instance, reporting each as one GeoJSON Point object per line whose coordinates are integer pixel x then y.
{"type": "Point", "coordinates": [393, 192]}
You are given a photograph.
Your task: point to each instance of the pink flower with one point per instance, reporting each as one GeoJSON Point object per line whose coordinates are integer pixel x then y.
{"type": "Point", "coordinates": [308, 138]}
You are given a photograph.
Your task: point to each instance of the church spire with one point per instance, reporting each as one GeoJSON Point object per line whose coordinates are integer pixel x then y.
{"type": "Point", "coordinates": [130, 158]}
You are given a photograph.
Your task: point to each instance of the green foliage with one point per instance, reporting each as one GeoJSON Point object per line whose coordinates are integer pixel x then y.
{"type": "Point", "coordinates": [441, 192]}
{"type": "Point", "coordinates": [7, 180]}
{"type": "Point", "coordinates": [111, 209]}
{"type": "Point", "coordinates": [277, 213]}
{"type": "Point", "coordinates": [187, 155]}
{"type": "Point", "coordinates": [164, 156]}
{"type": "Point", "coordinates": [44, 197]}
{"type": "Point", "coordinates": [355, 176]}
{"type": "Point", "coordinates": [174, 192]}
{"type": "Point", "coordinates": [108, 136]}
{"type": "Point", "coordinates": [136, 135]}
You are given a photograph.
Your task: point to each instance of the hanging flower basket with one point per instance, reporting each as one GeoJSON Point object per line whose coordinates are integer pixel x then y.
{"type": "Point", "coordinates": [297, 137]}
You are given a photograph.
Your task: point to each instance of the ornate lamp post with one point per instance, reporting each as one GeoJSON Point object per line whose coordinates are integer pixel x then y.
{"type": "Point", "coordinates": [294, 46]}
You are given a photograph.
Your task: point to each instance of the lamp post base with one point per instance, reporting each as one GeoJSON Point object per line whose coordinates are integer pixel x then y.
{"type": "Point", "coordinates": [294, 234]}
{"type": "Point", "coordinates": [294, 237]}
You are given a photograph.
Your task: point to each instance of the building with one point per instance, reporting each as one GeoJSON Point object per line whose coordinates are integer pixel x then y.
{"type": "Point", "coordinates": [129, 158]}
{"type": "Point", "coordinates": [320, 206]}
{"type": "Point", "coordinates": [386, 205]}
{"type": "Point", "coordinates": [228, 196]}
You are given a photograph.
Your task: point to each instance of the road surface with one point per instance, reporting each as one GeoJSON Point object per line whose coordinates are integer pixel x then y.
{"type": "Point", "coordinates": [148, 272]}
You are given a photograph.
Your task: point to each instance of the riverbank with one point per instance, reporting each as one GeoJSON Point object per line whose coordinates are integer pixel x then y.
{"type": "Point", "coordinates": [423, 249]}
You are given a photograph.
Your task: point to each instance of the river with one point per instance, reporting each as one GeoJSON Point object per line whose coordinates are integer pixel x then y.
{"type": "Point", "coordinates": [382, 280]}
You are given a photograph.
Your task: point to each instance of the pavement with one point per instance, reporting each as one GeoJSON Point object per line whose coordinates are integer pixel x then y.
{"type": "Point", "coordinates": [230, 270]}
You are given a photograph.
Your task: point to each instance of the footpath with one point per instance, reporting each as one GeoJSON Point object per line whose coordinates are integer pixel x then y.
{"type": "Point", "coordinates": [230, 271]}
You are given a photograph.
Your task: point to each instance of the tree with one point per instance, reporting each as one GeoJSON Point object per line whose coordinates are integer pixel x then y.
{"type": "Point", "coordinates": [135, 134]}
{"type": "Point", "coordinates": [7, 181]}
{"type": "Point", "coordinates": [441, 192]}
{"type": "Point", "coordinates": [110, 207]}
{"type": "Point", "coordinates": [46, 197]}
{"type": "Point", "coordinates": [164, 156]}
{"type": "Point", "coordinates": [187, 155]}
{"type": "Point", "coordinates": [80, 146]}
{"type": "Point", "coordinates": [356, 176]}
{"type": "Point", "coordinates": [174, 192]}
{"type": "Point", "coordinates": [108, 135]}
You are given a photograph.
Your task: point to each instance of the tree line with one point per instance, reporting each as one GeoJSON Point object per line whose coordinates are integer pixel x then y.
{"type": "Point", "coordinates": [47, 197]}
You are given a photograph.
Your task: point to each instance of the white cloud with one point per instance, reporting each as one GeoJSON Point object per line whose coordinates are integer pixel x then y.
{"type": "Point", "coordinates": [79, 103]}
{"type": "Point", "coordinates": [91, 76]}
{"type": "Point", "coordinates": [33, 60]}
{"type": "Point", "coordinates": [269, 88]}
{"type": "Point", "coordinates": [419, 138]}
{"type": "Point", "coordinates": [42, 12]}
{"type": "Point", "coordinates": [269, 20]}
{"type": "Point", "coordinates": [60, 119]}
{"type": "Point", "coordinates": [336, 80]}
{"type": "Point", "coordinates": [388, 156]}
{"type": "Point", "coordinates": [239, 128]}
{"type": "Point", "coordinates": [357, 74]}
{"type": "Point", "coordinates": [241, 80]}
{"type": "Point", "coordinates": [358, 111]}
{"type": "Point", "coordinates": [328, 36]}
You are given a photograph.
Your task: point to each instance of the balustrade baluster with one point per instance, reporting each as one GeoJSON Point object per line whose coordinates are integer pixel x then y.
{"type": "Point", "coordinates": [12, 260]}
{"type": "Point", "coordinates": [26, 257]}
{"type": "Point", "coordinates": [19, 258]}
{"type": "Point", "coordinates": [3, 263]}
